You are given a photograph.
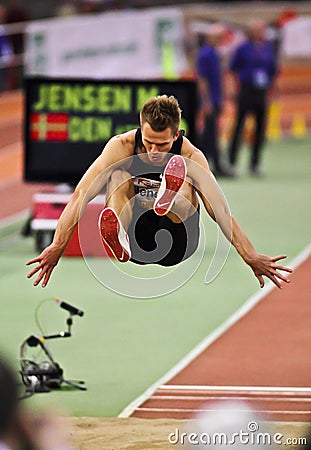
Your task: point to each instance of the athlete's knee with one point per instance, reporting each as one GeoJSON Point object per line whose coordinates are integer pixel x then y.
{"type": "Point", "coordinates": [185, 194]}
{"type": "Point", "coordinates": [120, 180]}
{"type": "Point", "coordinates": [119, 176]}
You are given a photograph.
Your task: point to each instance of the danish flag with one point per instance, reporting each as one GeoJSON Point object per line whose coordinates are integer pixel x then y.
{"type": "Point", "coordinates": [49, 127]}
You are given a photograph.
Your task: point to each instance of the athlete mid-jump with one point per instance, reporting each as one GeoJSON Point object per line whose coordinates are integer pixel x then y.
{"type": "Point", "coordinates": [153, 176]}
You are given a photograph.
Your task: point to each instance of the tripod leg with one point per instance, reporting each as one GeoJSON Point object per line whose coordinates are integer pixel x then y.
{"type": "Point", "coordinates": [75, 385]}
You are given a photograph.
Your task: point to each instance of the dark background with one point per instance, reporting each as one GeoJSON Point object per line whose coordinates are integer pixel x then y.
{"type": "Point", "coordinates": [66, 162]}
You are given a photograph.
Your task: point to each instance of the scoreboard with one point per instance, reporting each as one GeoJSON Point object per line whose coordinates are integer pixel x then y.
{"type": "Point", "coordinates": [69, 121]}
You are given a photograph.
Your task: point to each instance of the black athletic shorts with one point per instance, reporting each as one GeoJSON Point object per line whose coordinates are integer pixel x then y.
{"type": "Point", "coordinates": [157, 240]}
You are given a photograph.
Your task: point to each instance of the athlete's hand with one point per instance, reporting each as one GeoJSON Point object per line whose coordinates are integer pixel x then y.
{"type": "Point", "coordinates": [263, 265]}
{"type": "Point", "coordinates": [47, 261]}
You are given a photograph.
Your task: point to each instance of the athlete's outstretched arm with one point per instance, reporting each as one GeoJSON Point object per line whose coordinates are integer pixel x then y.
{"type": "Point", "coordinates": [260, 264]}
{"type": "Point", "coordinates": [89, 186]}
{"type": "Point", "coordinates": [215, 205]}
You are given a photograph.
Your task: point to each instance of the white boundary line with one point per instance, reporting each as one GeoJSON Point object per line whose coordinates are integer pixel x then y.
{"type": "Point", "coordinates": [204, 398]}
{"type": "Point", "coordinates": [7, 183]}
{"type": "Point", "coordinates": [4, 124]}
{"type": "Point", "coordinates": [205, 343]}
{"type": "Point", "coordinates": [233, 389]}
{"type": "Point", "coordinates": [10, 180]}
{"type": "Point", "coordinates": [259, 411]}
{"type": "Point", "coordinates": [14, 218]}
{"type": "Point", "coordinates": [15, 146]}
{"type": "Point", "coordinates": [10, 228]}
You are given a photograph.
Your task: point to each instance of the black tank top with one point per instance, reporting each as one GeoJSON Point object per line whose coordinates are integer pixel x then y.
{"type": "Point", "coordinates": [140, 168]}
{"type": "Point", "coordinates": [147, 176]}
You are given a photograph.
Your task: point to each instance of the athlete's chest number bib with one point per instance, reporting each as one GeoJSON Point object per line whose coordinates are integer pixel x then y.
{"type": "Point", "coordinates": [146, 191]}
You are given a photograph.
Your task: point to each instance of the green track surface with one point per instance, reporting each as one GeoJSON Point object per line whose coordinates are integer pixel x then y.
{"type": "Point", "coordinates": [121, 346]}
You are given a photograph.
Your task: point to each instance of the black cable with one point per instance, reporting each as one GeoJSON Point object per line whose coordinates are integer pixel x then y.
{"type": "Point", "coordinates": [35, 376]}
{"type": "Point", "coordinates": [27, 393]}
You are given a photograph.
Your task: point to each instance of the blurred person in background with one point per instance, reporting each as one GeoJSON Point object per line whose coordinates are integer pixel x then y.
{"type": "Point", "coordinates": [209, 76]}
{"type": "Point", "coordinates": [90, 6]}
{"type": "Point", "coordinates": [5, 52]}
{"type": "Point", "coordinates": [20, 429]}
{"type": "Point", "coordinates": [275, 28]}
{"type": "Point", "coordinates": [67, 8]}
{"type": "Point", "coordinates": [16, 13]}
{"type": "Point", "coordinates": [254, 64]}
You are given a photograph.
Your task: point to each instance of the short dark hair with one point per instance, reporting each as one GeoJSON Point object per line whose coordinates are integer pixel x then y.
{"type": "Point", "coordinates": [161, 112]}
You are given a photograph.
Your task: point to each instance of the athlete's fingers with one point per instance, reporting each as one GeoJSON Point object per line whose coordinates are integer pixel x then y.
{"type": "Point", "coordinates": [277, 258]}
{"type": "Point", "coordinates": [261, 280]}
{"type": "Point", "coordinates": [280, 276]}
{"type": "Point", "coordinates": [47, 277]}
{"type": "Point", "coordinates": [285, 269]}
{"type": "Point", "coordinates": [274, 280]}
{"type": "Point", "coordinates": [34, 260]}
{"type": "Point", "coordinates": [35, 270]}
{"type": "Point", "coordinates": [41, 275]}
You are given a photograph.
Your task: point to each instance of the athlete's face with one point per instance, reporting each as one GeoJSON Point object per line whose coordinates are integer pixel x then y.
{"type": "Point", "coordinates": [157, 143]}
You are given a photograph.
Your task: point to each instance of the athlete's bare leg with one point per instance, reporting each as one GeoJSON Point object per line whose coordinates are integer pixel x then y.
{"type": "Point", "coordinates": [185, 203]}
{"type": "Point", "coordinates": [120, 196]}
{"type": "Point", "coordinates": [116, 216]}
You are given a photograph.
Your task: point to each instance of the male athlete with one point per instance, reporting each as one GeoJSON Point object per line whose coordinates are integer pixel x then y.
{"type": "Point", "coordinates": [153, 177]}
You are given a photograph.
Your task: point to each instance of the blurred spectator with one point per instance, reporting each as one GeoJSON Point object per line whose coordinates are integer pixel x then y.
{"type": "Point", "coordinates": [90, 6]}
{"type": "Point", "coordinates": [254, 63]}
{"type": "Point", "coordinates": [275, 28]}
{"type": "Point", "coordinates": [16, 13]}
{"type": "Point", "coordinates": [68, 8]}
{"type": "Point", "coordinates": [209, 75]}
{"type": "Point", "coordinates": [22, 430]}
{"type": "Point", "coordinates": [5, 52]}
